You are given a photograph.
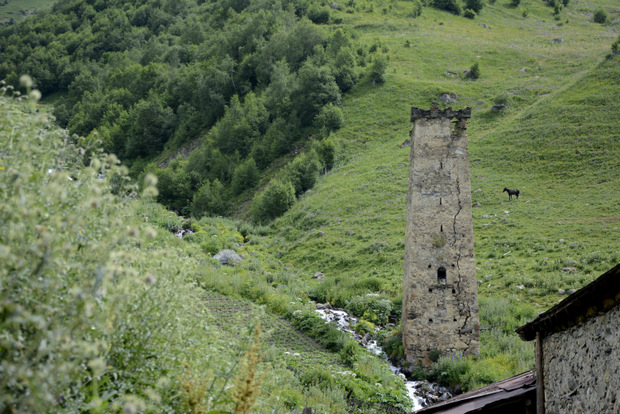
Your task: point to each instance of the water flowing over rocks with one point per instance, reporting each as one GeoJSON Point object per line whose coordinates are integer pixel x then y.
{"type": "Point", "coordinates": [422, 393]}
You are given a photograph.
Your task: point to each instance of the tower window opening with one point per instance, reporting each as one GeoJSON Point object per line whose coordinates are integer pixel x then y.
{"type": "Point", "coordinates": [441, 276]}
{"type": "Point", "coordinates": [441, 228]}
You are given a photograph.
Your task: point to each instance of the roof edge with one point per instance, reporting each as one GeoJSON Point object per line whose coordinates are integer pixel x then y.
{"type": "Point", "coordinates": [597, 297]}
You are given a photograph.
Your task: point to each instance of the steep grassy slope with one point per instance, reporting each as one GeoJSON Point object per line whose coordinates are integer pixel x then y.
{"type": "Point", "coordinates": [101, 308]}
{"type": "Point", "coordinates": [558, 142]}
{"type": "Point", "coordinates": [565, 103]}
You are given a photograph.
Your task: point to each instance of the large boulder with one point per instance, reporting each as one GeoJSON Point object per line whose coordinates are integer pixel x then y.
{"type": "Point", "coordinates": [228, 257]}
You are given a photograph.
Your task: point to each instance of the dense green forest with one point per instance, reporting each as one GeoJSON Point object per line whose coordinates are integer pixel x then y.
{"type": "Point", "coordinates": [251, 79]}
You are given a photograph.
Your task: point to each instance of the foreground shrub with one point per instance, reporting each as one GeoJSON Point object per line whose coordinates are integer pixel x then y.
{"type": "Point", "coordinates": [91, 319]}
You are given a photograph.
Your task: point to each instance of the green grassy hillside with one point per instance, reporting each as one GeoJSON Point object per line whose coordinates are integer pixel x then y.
{"type": "Point", "coordinates": [15, 10]}
{"type": "Point", "coordinates": [557, 141]}
{"type": "Point", "coordinates": [104, 309]}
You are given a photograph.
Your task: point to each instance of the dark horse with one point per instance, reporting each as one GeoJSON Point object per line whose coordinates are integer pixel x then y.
{"type": "Point", "coordinates": [511, 193]}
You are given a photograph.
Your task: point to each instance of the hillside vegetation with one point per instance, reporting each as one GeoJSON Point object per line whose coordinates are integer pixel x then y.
{"type": "Point", "coordinates": [103, 309]}
{"type": "Point", "coordinates": [304, 109]}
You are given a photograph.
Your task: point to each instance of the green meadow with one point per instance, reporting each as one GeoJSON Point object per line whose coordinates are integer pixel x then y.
{"type": "Point", "coordinates": [104, 309]}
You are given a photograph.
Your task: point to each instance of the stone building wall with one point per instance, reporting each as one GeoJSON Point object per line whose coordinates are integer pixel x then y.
{"type": "Point", "coordinates": [440, 302]}
{"type": "Point", "coordinates": [581, 367]}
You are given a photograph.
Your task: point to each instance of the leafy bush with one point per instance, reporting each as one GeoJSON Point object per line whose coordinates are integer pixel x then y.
{"type": "Point", "coordinates": [329, 119]}
{"type": "Point", "coordinates": [371, 307]}
{"type": "Point", "coordinates": [90, 319]}
{"type": "Point", "coordinates": [210, 199]}
{"type": "Point", "coordinates": [600, 16]}
{"type": "Point", "coordinates": [364, 327]}
{"type": "Point", "coordinates": [474, 71]}
{"type": "Point", "coordinates": [277, 198]}
{"type": "Point", "coordinates": [245, 176]}
{"type": "Point", "coordinates": [318, 15]}
{"type": "Point", "coordinates": [377, 69]}
{"type": "Point", "coordinates": [392, 345]}
{"type": "Point", "coordinates": [303, 172]}
{"type": "Point", "coordinates": [417, 8]}
{"type": "Point", "coordinates": [452, 6]}
{"type": "Point", "coordinates": [501, 99]}
{"type": "Point", "coordinates": [469, 13]}
{"type": "Point", "coordinates": [475, 5]}
{"type": "Point", "coordinates": [615, 47]}
{"type": "Point", "coordinates": [326, 151]}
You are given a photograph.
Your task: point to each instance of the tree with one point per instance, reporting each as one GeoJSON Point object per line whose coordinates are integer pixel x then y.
{"type": "Point", "coordinates": [210, 199]}
{"type": "Point", "coordinates": [151, 124]}
{"type": "Point", "coordinates": [344, 69]}
{"type": "Point", "coordinates": [277, 95]}
{"type": "Point", "coordinates": [277, 198]}
{"type": "Point", "coordinates": [452, 6]}
{"type": "Point", "coordinates": [377, 69]}
{"type": "Point", "coordinates": [600, 16]}
{"type": "Point", "coordinates": [329, 119]}
{"type": "Point", "coordinates": [303, 172]}
{"type": "Point", "coordinates": [245, 176]}
{"type": "Point", "coordinates": [475, 5]}
{"type": "Point", "coordinates": [326, 151]}
{"type": "Point", "coordinates": [317, 88]}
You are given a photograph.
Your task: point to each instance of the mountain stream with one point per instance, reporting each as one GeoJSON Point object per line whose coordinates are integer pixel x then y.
{"type": "Point", "coordinates": [422, 393]}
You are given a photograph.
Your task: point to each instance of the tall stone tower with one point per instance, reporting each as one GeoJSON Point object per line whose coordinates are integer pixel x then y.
{"type": "Point", "coordinates": [440, 297]}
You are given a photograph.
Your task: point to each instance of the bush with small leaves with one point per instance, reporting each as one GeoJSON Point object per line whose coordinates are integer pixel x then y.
{"type": "Point", "coordinates": [600, 16]}
{"type": "Point", "coordinates": [452, 6]}
{"type": "Point", "coordinates": [469, 13]}
{"type": "Point", "coordinates": [371, 307]}
{"type": "Point", "coordinates": [377, 69]}
{"type": "Point", "coordinates": [615, 47]}
{"type": "Point", "coordinates": [474, 71]}
{"type": "Point", "coordinates": [277, 198]}
{"type": "Point", "coordinates": [474, 5]}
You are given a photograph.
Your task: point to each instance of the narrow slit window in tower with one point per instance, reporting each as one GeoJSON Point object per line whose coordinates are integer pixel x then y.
{"type": "Point", "coordinates": [441, 276]}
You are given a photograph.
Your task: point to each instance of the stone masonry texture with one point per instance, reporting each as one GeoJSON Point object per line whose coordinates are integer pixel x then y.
{"type": "Point", "coordinates": [581, 367]}
{"type": "Point", "coordinates": [440, 299]}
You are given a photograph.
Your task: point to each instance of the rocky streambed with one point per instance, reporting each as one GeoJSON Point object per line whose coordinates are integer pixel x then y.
{"type": "Point", "coordinates": [422, 393]}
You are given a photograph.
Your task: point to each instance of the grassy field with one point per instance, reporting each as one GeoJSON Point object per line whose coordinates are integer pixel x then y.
{"type": "Point", "coordinates": [105, 309]}
{"type": "Point", "coordinates": [19, 9]}
{"type": "Point", "coordinates": [557, 141]}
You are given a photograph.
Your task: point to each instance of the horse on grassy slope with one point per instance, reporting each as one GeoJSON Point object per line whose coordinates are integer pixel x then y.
{"type": "Point", "coordinates": [511, 193]}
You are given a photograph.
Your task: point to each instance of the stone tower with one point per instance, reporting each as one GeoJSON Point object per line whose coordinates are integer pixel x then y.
{"type": "Point", "coordinates": [440, 297]}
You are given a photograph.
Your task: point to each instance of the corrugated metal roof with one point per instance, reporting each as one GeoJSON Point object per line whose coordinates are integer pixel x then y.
{"type": "Point", "coordinates": [475, 400]}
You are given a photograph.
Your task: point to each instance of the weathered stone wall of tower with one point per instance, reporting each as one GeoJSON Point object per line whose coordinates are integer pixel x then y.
{"type": "Point", "coordinates": [440, 299]}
